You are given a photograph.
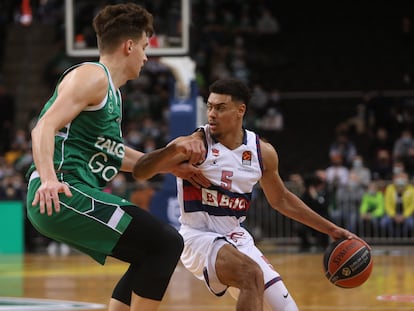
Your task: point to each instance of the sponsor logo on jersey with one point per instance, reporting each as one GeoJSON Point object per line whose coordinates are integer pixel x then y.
{"type": "Point", "coordinates": [247, 158]}
{"type": "Point", "coordinates": [215, 201]}
{"type": "Point", "coordinates": [110, 146]}
{"type": "Point", "coordinates": [214, 198]}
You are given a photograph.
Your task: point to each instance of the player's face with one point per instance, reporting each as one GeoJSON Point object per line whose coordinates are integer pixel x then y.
{"type": "Point", "coordinates": [224, 115]}
{"type": "Point", "coordinates": [138, 56]}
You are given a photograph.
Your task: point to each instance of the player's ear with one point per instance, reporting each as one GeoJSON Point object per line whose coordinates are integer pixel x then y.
{"type": "Point", "coordinates": [128, 44]}
{"type": "Point", "coordinates": [242, 109]}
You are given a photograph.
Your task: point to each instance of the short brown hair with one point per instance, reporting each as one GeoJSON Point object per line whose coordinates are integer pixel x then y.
{"type": "Point", "coordinates": [115, 23]}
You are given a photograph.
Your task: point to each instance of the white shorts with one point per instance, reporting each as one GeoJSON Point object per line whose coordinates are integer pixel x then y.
{"type": "Point", "coordinates": [200, 253]}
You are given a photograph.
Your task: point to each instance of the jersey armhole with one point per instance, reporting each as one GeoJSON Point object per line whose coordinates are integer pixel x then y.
{"type": "Point", "coordinates": [202, 130]}
{"type": "Point", "coordinates": [259, 152]}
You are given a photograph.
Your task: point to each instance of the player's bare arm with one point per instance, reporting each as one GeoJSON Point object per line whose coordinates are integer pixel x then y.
{"type": "Point", "coordinates": [82, 87]}
{"type": "Point", "coordinates": [130, 158]}
{"type": "Point", "coordinates": [179, 157]}
{"type": "Point", "coordinates": [284, 201]}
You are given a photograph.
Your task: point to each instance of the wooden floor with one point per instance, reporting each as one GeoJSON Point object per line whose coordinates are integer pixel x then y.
{"type": "Point", "coordinates": [78, 278]}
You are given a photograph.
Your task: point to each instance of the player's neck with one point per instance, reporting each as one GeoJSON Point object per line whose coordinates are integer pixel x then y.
{"type": "Point", "coordinates": [232, 140]}
{"type": "Point", "coordinates": [115, 70]}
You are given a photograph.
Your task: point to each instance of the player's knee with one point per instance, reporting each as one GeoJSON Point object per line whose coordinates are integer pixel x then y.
{"type": "Point", "coordinates": [252, 275]}
{"type": "Point", "coordinates": [174, 243]}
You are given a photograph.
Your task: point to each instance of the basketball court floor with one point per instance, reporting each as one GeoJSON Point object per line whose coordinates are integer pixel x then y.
{"type": "Point", "coordinates": [75, 282]}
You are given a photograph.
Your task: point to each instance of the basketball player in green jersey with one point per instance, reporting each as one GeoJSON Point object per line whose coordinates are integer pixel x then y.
{"type": "Point", "coordinates": [77, 149]}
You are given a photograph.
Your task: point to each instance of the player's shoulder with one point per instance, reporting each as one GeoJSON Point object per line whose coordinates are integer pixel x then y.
{"type": "Point", "coordinates": [266, 145]}
{"type": "Point", "coordinates": [89, 74]}
{"type": "Point", "coordinates": [267, 150]}
{"type": "Point", "coordinates": [87, 70]}
{"type": "Point", "coordinates": [94, 68]}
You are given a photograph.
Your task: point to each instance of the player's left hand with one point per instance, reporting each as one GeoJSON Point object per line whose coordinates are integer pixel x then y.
{"type": "Point", "coordinates": [341, 233]}
{"type": "Point", "coordinates": [193, 174]}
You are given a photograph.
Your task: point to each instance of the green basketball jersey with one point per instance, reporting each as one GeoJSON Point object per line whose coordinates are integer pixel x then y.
{"type": "Point", "coordinates": [91, 147]}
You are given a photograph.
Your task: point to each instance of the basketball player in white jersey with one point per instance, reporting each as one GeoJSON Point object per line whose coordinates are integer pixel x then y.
{"type": "Point", "coordinates": [217, 249]}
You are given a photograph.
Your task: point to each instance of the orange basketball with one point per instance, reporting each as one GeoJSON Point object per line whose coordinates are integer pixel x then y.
{"type": "Point", "coordinates": [348, 262]}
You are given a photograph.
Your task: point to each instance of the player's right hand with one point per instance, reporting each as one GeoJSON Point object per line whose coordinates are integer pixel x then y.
{"type": "Point", "coordinates": [47, 196]}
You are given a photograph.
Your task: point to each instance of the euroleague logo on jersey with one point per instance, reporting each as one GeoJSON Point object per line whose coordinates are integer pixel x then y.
{"type": "Point", "coordinates": [247, 158]}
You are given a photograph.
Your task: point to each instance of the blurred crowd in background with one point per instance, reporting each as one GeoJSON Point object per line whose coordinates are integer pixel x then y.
{"type": "Point", "coordinates": [366, 180]}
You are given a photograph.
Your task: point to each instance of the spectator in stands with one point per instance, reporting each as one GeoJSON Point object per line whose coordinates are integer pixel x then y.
{"type": "Point", "coordinates": [259, 99]}
{"type": "Point", "coordinates": [267, 22]}
{"type": "Point", "coordinates": [240, 69]}
{"type": "Point", "coordinates": [382, 166]}
{"type": "Point", "coordinates": [133, 137]}
{"type": "Point", "coordinates": [296, 184]}
{"type": "Point", "coordinates": [337, 173]}
{"type": "Point", "coordinates": [402, 145]}
{"type": "Point", "coordinates": [409, 162]}
{"type": "Point", "coordinates": [315, 197]}
{"type": "Point", "coordinates": [357, 122]}
{"type": "Point", "coordinates": [344, 146]}
{"type": "Point", "coordinates": [380, 141]}
{"type": "Point", "coordinates": [272, 120]}
{"type": "Point", "coordinates": [399, 207]}
{"type": "Point", "coordinates": [6, 169]}
{"type": "Point", "coordinates": [362, 173]}
{"type": "Point", "coordinates": [12, 188]}
{"type": "Point", "coordinates": [25, 159]}
{"type": "Point", "coordinates": [347, 202]}
{"type": "Point", "coordinates": [19, 146]}
{"type": "Point", "coordinates": [398, 167]}
{"type": "Point", "coordinates": [371, 210]}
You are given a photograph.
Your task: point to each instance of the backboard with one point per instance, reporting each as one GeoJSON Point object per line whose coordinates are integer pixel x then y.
{"type": "Point", "coordinates": [171, 24]}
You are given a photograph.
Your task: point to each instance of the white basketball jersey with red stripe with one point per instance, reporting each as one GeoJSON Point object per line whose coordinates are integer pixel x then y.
{"type": "Point", "coordinates": [233, 174]}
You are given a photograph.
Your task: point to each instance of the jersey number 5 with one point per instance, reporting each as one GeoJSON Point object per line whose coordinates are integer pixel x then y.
{"type": "Point", "coordinates": [226, 179]}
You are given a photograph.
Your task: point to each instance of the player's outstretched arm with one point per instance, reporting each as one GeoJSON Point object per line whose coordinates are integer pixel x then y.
{"type": "Point", "coordinates": [287, 203]}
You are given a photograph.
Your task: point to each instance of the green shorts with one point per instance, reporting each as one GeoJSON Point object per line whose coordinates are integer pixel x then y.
{"type": "Point", "coordinates": [91, 221]}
